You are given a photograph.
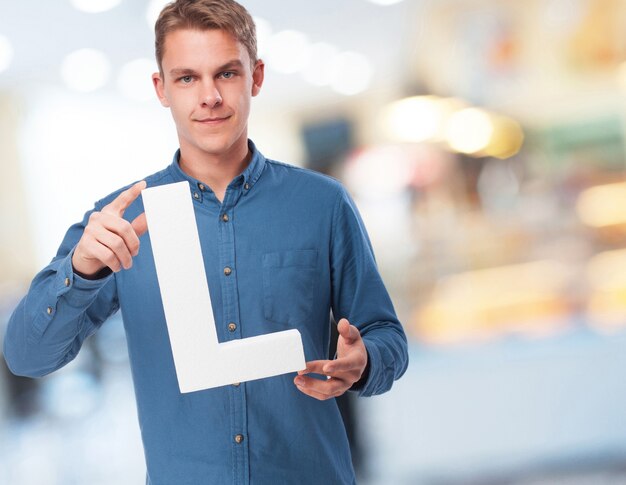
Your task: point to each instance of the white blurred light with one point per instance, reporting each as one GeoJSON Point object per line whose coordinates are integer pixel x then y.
{"type": "Point", "coordinates": [95, 6]}
{"type": "Point", "coordinates": [85, 70]}
{"type": "Point", "coordinates": [71, 395]}
{"type": "Point", "coordinates": [263, 35]}
{"type": "Point", "coordinates": [469, 130]}
{"type": "Point", "coordinates": [380, 172]}
{"type": "Point", "coordinates": [321, 65]}
{"type": "Point", "coordinates": [134, 80]}
{"type": "Point", "coordinates": [385, 2]}
{"type": "Point", "coordinates": [153, 11]}
{"type": "Point", "coordinates": [353, 73]}
{"type": "Point", "coordinates": [415, 119]}
{"type": "Point", "coordinates": [6, 53]}
{"type": "Point", "coordinates": [563, 16]}
{"type": "Point", "coordinates": [288, 52]}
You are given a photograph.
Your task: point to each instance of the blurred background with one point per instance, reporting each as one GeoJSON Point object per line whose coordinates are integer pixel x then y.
{"type": "Point", "coordinates": [484, 143]}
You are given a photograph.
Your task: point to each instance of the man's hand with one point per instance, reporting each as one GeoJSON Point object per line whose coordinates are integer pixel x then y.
{"type": "Point", "coordinates": [109, 240]}
{"type": "Point", "coordinates": [342, 372]}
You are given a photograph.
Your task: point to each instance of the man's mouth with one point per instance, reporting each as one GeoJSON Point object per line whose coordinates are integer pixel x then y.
{"type": "Point", "coordinates": [213, 120]}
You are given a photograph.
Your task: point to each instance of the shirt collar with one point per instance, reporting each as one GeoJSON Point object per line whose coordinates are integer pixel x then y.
{"type": "Point", "coordinates": [248, 177]}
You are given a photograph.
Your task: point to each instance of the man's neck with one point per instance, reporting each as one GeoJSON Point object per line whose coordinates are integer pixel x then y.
{"type": "Point", "coordinates": [215, 171]}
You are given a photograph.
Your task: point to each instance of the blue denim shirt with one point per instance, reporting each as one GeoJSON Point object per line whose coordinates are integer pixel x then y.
{"type": "Point", "coordinates": [298, 250]}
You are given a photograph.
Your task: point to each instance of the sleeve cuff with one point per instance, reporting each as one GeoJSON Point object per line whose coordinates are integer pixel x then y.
{"type": "Point", "coordinates": [75, 287]}
{"type": "Point", "coordinates": [364, 384]}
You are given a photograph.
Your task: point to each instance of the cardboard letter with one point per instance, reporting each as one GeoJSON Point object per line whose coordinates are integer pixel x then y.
{"type": "Point", "coordinates": [201, 361]}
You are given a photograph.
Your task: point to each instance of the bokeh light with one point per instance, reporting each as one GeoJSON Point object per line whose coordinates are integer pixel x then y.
{"type": "Point", "coordinates": [288, 51]}
{"type": "Point", "coordinates": [6, 53]}
{"type": "Point", "coordinates": [134, 80]}
{"type": "Point", "coordinates": [469, 130]}
{"type": "Point", "coordinates": [353, 73]}
{"type": "Point", "coordinates": [85, 70]}
{"type": "Point", "coordinates": [95, 6]}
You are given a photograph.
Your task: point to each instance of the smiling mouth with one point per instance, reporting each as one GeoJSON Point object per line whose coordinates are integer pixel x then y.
{"type": "Point", "coordinates": [213, 121]}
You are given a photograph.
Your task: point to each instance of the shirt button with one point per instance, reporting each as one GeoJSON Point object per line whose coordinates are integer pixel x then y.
{"type": "Point", "coordinates": [202, 187]}
{"type": "Point", "coordinates": [49, 310]}
{"type": "Point", "coordinates": [67, 282]}
{"type": "Point", "coordinates": [246, 186]}
{"type": "Point", "coordinates": [227, 271]}
{"type": "Point", "coordinates": [238, 438]}
{"type": "Point", "coordinates": [232, 327]}
{"type": "Point", "coordinates": [225, 217]}
{"type": "Point", "coordinates": [196, 195]}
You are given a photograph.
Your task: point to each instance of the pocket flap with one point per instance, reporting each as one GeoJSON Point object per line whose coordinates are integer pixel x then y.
{"type": "Point", "coordinates": [304, 258]}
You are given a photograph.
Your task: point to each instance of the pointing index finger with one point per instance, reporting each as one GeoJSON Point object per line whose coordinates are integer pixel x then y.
{"type": "Point", "coordinates": [123, 201]}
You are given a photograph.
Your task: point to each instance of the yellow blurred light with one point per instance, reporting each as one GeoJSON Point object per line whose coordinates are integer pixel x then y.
{"type": "Point", "coordinates": [507, 138]}
{"type": "Point", "coordinates": [606, 273]}
{"type": "Point", "coordinates": [418, 118]}
{"type": "Point", "coordinates": [469, 131]}
{"type": "Point", "coordinates": [603, 205]}
{"type": "Point", "coordinates": [481, 304]}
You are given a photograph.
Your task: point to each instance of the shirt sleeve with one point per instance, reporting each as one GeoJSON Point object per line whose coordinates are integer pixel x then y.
{"type": "Point", "coordinates": [359, 294]}
{"type": "Point", "coordinates": [60, 310]}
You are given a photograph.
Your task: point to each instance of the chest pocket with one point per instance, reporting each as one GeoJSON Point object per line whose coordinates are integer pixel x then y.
{"type": "Point", "coordinates": [289, 285]}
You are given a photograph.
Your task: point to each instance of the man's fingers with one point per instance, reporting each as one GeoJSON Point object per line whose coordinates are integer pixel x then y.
{"type": "Point", "coordinates": [121, 203]}
{"type": "Point", "coordinates": [107, 257]}
{"type": "Point", "coordinates": [315, 366]}
{"type": "Point", "coordinates": [140, 225]}
{"type": "Point", "coordinates": [349, 332]}
{"type": "Point", "coordinates": [314, 394]}
{"type": "Point", "coordinates": [334, 368]}
{"type": "Point", "coordinates": [116, 244]}
{"type": "Point", "coordinates": [341, 364]}
{"type": "Point", "coordinates": [321, 389]}
{"type": "Point", "coordinates": [122, 228]}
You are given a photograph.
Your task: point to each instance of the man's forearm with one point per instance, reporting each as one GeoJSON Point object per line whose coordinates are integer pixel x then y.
{"type": "Point", "coordinates": [49, 325]}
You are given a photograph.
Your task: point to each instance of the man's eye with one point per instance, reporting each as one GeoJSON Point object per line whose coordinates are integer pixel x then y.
{"type": "Point", "coordinates": [186, 79]}
{"type": "Point", "coordinates": [228, 74]}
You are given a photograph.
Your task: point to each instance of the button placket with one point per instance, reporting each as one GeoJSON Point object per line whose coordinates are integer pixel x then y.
{"type": "Point", "coordinates": [232, 325]}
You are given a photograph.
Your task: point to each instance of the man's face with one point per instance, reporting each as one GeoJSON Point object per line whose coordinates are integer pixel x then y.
{"type": "Point", "coordinates": [207, 83]}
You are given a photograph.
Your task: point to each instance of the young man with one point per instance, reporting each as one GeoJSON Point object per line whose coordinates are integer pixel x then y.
{"type": "Point", "coordinates": [282, 247]}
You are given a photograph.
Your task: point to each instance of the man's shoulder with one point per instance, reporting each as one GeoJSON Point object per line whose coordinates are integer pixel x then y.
{"type": "Point", "coordinates": [305, 176]}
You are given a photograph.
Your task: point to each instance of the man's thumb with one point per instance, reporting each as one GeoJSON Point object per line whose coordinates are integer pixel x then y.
{"type": "Point", "coordinates": [347, 331]}
{"type": "Point", "coordinates": [140, 225]}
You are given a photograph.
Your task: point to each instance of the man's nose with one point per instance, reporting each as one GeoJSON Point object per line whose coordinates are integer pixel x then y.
{"type": "Point", "coordinates": [211, 96]}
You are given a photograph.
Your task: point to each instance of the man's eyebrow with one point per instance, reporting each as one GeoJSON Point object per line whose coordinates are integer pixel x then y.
{"type": "Point", "coordinates": [182, 71]}
{"type": "Point", "coordinates": [234, 64]}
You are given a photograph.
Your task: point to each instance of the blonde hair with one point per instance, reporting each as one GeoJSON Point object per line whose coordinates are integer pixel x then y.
{"type": "Point", "coordinates": [225, 15]}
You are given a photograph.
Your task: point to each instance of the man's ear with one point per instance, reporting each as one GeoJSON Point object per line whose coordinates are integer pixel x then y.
{"type": "Point", "coordinates": [258, 74]}
{"type": "Point", "coordinates": [158, 83]}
